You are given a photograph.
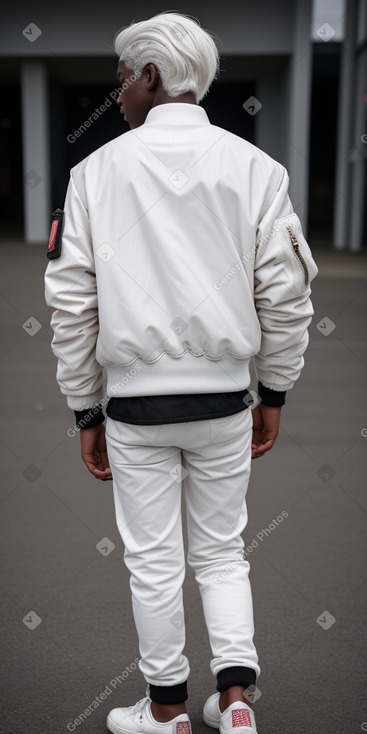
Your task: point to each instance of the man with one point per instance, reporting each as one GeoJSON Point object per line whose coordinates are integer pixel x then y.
{"type": "Point", "coordinates": [181, 258]}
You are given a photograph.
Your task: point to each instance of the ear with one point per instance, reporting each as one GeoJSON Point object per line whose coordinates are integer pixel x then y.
{"type": "Point", "coordinates": [152, 75]}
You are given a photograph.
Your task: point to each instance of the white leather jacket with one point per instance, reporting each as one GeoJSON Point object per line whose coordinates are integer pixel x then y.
{"type": "Point", "coordinates": [181, 259]}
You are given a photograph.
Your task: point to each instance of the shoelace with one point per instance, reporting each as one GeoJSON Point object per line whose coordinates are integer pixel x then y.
{"type": "Point", "coordinates": [139, 705]}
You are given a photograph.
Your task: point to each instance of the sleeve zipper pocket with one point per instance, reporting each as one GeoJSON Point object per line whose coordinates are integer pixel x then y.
{"type": "Point", "coordinates": [293, 252]}
{"type": "Point", "coordinates": [296, 249]}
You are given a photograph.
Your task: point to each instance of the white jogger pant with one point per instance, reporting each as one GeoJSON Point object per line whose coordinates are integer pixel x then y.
{"type": "Point", "coordinates": [210, 460]}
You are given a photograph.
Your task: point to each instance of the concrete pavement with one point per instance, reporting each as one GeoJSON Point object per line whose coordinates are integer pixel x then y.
{"type": "Point", "coordinates": [68, 638]}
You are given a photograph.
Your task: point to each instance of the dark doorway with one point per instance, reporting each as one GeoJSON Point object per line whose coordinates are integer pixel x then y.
{"type": "Point", "coordinates": [324, 114]}
{"type": "Point", "coordinates": [11, 175]}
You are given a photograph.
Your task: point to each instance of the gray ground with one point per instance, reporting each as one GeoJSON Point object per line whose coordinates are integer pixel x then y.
{"type": "Point", "coordinates": [310, 567]}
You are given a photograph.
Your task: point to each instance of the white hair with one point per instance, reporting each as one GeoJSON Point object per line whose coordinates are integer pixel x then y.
{"type": "Point", "coordinates": [185, 55]}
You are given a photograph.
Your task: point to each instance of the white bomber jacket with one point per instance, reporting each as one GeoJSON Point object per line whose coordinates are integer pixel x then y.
{"type": "Point", "coordinates": [181, 259]}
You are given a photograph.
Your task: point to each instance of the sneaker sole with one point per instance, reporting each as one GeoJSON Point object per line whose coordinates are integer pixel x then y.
{"type": "Point", "coordinates": [117, 729]}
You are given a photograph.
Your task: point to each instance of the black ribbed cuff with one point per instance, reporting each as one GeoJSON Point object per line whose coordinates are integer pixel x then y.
{"type": "Point", "coordinates": [168, 694]}
{"type": "Point", "coordinates": [236, 675]}
{"type": "Point", "coordinates": [89, 417]}
{"type": "Point", "coordinates": [273, 398]}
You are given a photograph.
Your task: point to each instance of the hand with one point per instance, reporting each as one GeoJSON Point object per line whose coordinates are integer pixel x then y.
{"type": "Point", "coordinates": [265, 427]}
{"type": "Point", "coordinates": [94, 451]}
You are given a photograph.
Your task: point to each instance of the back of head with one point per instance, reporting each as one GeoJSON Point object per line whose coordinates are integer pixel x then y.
{"type": "Point", "coordinates": [185, 55]}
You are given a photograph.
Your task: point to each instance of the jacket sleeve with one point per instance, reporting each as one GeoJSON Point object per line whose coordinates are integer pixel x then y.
{"type": "Point", "coordinates": [284, 269]}
{"type": "Point", "coordinates": [71, 289]}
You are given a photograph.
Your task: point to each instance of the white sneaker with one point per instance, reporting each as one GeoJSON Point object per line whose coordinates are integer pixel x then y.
{"type": "Point", "coordinates": [211, 711]}
{"type": "Point", "coordinates": [138, 719]}
{"type": "Point", "coordinates": [238, 718]}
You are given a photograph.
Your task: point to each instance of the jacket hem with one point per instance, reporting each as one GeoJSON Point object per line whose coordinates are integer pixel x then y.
{"type": "Point", "coordinates": [171, 376]}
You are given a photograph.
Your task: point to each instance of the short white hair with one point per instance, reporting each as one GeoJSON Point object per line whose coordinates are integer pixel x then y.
{"type": "Point", "coordinates": [184, 54]}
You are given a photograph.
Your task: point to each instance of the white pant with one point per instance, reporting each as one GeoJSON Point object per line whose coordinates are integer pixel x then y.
{"type": "Point", "coordinates": [213, 459]}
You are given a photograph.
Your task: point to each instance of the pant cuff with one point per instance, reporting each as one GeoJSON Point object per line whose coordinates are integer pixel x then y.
{"type": "Point", "coordinates": [236, 675]}
{"type": "Point", "coordinates": [168, 694]}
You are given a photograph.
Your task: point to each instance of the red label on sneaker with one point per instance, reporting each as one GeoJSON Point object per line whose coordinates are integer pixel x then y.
{"type": "Point", "coordinates": [183, 727]}
{"type": "Point", "coordinates": [241, 717]}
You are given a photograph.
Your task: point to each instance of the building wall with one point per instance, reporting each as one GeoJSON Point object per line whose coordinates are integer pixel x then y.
{"type": "Point", "coordinates": [265, 51]}
{"type": "Point", "coordinates": [243, 26]}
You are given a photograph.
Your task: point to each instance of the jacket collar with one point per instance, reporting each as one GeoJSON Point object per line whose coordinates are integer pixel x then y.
{"type": "Point", "coordinates": [177, 112]}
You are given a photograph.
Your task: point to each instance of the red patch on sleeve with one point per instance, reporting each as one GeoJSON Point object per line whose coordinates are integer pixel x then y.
{"type": "Point", "coordinates": [51, 243]}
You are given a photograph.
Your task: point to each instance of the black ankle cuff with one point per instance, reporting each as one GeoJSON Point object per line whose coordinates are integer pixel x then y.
{"type": "Point", "coordinates": [168, 694]}
{"type": "Point", "coordinates": [235, 676]}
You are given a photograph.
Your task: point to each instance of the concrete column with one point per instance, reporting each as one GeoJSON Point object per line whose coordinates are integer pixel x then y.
{"type": "Point", "coordinates": [358, 187]}
{"type": "Point", "coordinates": [299, 112]}
{"type": "Point", "coordinates": [36, 159]}
{"type": "Point", "coordinates": [341, 234]}
{"type": "Point", "coordinates": [358, 179]}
